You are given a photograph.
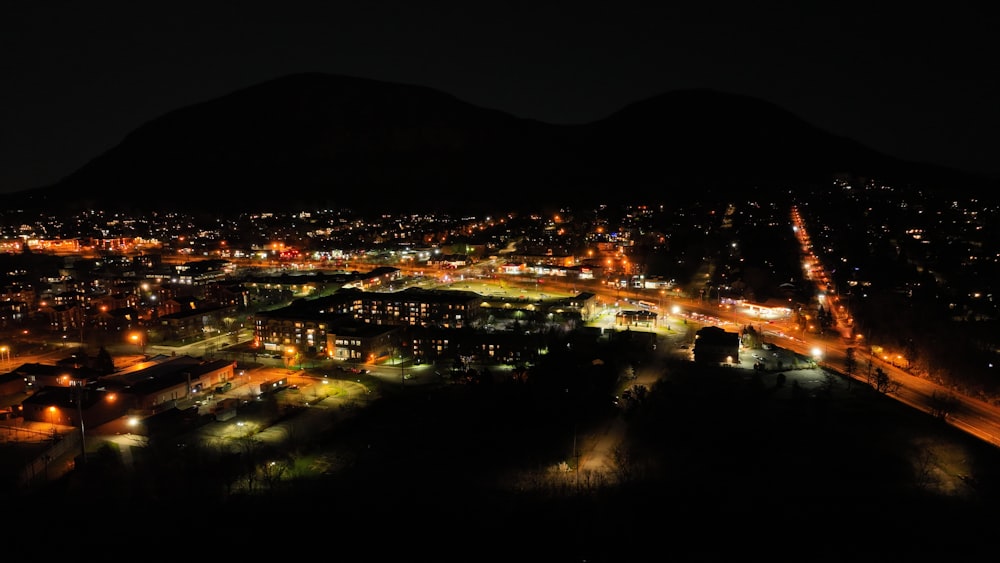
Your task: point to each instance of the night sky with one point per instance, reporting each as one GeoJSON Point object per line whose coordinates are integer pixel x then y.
{"type": "Point", "coordinates": [919, 83]}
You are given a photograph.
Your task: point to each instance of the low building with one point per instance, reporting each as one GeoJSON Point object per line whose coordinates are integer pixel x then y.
{"type": "Point", "coordinates": [713, 344]}
{"type": "Point", "coordinates": [146, 387]}
{"type": "Point", "coordinates": [160, 382]}
{"type": "Point", "coordinates": [67, 406]}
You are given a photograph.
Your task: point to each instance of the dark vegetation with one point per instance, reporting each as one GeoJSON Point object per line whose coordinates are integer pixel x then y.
{"type": "Point", "coordinates": [716, 462]}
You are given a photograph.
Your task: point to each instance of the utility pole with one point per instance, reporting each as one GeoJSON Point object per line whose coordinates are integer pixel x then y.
{"type": "Point", "coordinates": [402, 374]}
{"type": "Point", "coordinates": [83, 437]}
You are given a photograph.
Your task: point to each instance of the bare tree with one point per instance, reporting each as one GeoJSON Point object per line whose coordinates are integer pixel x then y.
{"type": "Point", "coordinates": [633, 397]}
{"type": "Point", "coordinates": [626, 466]}
{"type": "Point", "coordinates": [923, 467]}
{"type": "Point", "coordinates": [882, 383]}
{"type": "Point", "coordinates": [850, 366]}
{"type": "Point", "coordinates": [249, 447]}
{"type": "Point", "coordinates": [272, 471]}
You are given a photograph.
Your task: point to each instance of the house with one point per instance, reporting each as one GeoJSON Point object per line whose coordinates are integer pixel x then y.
{"type": "Point", "coordinates": [714, 344]}
{"type": "Point", "coordinates": [37, 376]}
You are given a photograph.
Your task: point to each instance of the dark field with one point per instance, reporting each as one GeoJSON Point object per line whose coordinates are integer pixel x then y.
{"type": "Point", "coordinates": [715, 464]}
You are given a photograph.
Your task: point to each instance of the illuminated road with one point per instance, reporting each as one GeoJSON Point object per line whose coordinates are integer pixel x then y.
{"type": "Point", "coordinates": [972, 416]}
{"type": "Point", "coordinates": [596, 451]}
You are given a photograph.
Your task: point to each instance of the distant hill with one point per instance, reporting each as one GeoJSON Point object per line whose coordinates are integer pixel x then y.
{"type": "Point", "coordinates": [308, 141]}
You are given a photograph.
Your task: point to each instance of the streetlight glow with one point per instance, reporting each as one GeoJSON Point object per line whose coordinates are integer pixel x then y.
{"type": "Point", "coordinates": [136, 339]}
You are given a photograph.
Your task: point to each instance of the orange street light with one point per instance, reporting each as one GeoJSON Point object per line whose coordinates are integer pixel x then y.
{"type": "Point", "coordinates": [137, 340]}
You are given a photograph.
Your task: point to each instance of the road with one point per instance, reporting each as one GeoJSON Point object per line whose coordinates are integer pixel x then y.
{"type": "Point", "coordinates": [973, 416]}
{"type": "Point", "coordinates": [596, 451]}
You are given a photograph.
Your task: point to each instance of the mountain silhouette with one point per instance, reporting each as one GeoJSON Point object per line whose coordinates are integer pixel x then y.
{"type": "Point", "coordinates": [310, 141]}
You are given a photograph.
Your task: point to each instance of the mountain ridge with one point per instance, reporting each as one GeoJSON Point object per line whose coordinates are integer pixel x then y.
{"type": "Point", "coordinates": [314, 140]}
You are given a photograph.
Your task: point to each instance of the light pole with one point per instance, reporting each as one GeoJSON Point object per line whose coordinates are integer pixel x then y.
{"type": "Point", "coordinates": [402, 374]}
{"type": "Point", "coordinates": [137, 340]}
{"type": "Point", "coordinates": [83, 437]}
{"type": "Point", "coordinates": [5, 355]}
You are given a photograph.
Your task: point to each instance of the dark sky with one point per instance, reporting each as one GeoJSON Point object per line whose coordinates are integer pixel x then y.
{"type": "Point", "coordinates": [919, 82]}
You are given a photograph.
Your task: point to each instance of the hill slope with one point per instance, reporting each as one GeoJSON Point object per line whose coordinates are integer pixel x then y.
{"type": "Point", "coordinates": [316, 140]}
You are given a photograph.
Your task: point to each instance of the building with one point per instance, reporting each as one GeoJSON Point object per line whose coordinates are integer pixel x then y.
{"type": "Point", "coordinates": [713, 344]}
{"type": "Point", "coordinates": [193, 323]}
{"type": "Point", "coordinates": [359, 342]}
{"type": "Point", "coordinates": [161, 381]}
{"type": "Point", "coordinates": [144, 388]}
{"type": "Point", "coordinates": [311, 326]}
{"type": "Point", "coordinates": [67, 406]}
{"type": "Point", "coordinates": [633, 317]}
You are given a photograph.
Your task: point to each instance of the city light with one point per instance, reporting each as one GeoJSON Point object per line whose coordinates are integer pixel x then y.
{"type": "Point", "coordinates": [137, 339]}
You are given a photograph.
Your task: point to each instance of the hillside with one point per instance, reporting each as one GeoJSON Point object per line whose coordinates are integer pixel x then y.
{"type": "Point", "coordinates": [316, 140]}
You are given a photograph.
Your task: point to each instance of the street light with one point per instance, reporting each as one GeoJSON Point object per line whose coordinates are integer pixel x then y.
{"type": "Point", "coordinates": [817, 354]}
{"type": "Point", "coordinates": [137, 340]}
{"type": "Point", "coordinates": [5, 355]}
{"type": "Point", "coordinates": [399, 354]}
{"type": "Point", "coordinates": [326, 392]}
{"type": "Point", "coordinates": [79, 410]}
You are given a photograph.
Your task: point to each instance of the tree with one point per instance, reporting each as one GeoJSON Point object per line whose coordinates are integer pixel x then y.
{"type": "Point", "coordinates": [249, 448]}
{"type": "Point", "coordinates": [923, 467]}
{"type": "Point", "coordinates": [630, 372]}
{"type": "Point", "coordinates": [104, 362]}
{"type": "Point", "coordinates": [882, 383]}
{"type": "Point", "coordinates": [850, 366]}
{"type": "Point", "coordinates": [633, 397]}
{"type": "Point", "coordinates": [271, 471]}
{"type": "Point", "coordinates": [751, 337]}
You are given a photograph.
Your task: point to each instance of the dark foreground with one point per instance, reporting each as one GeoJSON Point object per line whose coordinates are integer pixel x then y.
{"type": "Point", "coordinates": [717, 466]}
